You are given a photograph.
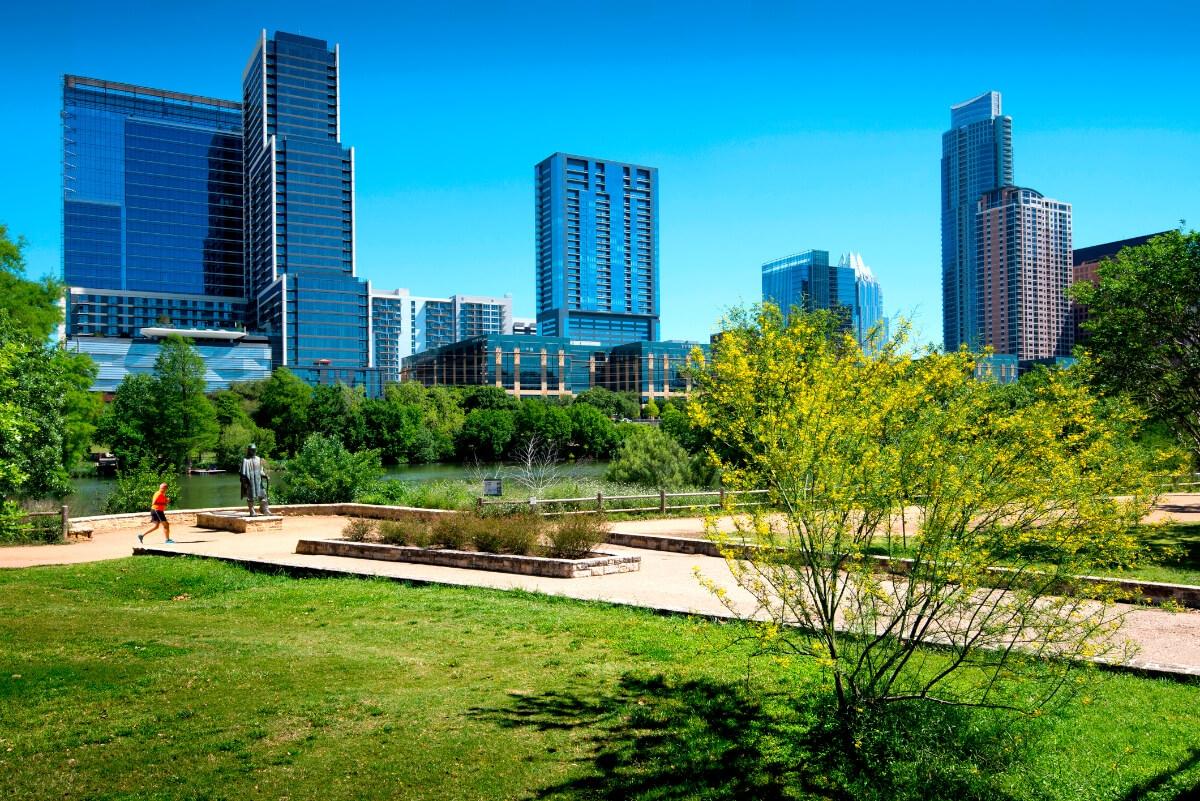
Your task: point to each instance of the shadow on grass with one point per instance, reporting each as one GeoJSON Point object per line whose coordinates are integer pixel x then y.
{"type": "Point", "coordinates": [1162, 787]}
{"type": "Point", "coordinates": [653, 738]}
{"type": "Point", "coordinates": [1176, 545]}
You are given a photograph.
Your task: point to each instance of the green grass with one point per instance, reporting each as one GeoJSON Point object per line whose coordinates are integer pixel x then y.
{"type": "Point", "coordinates": [185, 679]}
{"type": "Point", "coordinates": [1172, 554]}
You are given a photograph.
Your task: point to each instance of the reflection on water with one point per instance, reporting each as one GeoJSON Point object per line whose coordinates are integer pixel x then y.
{"type": "Point", "coordinates": [222, 489]}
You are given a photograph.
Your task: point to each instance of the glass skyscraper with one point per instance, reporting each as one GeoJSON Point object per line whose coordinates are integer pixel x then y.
{"type": "Point", "coordinates": [152, 209]}
{"type": "Point", "coordinates": [977, 157]}
{"type": "Point", "coordinates": [596, 246]}
{"type": "Point", "coordinates": [803, 280]}
{"type": "Point", "coordinates": [299, 221]}
{"type": "Point", "coordinates": [807, 281]}
{"type": "Point", "coordinates": [868, 322]}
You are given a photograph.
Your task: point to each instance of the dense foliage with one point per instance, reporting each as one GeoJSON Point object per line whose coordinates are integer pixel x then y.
{"type": "Point", "coordinates": [135, 489]}
{"type": "Point", "coordinates": [324, 471]}
{"type": "Point", "coordinates": [650, 457]}
{"type": "Point", "coordinates": [46, 412]}
{"type": "Point", "coordinates": [1144, 329]}
{"type": "Point", "coordinates": [857, 447]}
{"type": "Point", "coordinates": [163, 420]}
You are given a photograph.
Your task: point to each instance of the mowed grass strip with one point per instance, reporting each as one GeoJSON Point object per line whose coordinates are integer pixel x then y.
{"type": "Point", "coordinates": [187, 679]}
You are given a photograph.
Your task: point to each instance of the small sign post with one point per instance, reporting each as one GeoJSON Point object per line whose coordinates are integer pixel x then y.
{"type": "Point", "coordinates": [493, 487]}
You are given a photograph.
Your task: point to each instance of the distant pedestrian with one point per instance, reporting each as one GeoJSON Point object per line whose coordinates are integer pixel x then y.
{"type": "Point", "coordinates": [158, 514]}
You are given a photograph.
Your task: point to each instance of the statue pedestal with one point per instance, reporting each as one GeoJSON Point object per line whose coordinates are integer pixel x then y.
{"type": "Point", "coordinates": [238, 522]}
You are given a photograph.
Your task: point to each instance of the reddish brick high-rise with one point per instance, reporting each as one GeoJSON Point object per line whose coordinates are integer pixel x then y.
{"type": "Point", "coordinates": [1023, 270]}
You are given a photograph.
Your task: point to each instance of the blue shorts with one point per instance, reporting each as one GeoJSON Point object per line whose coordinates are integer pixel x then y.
{"type": "Point", "coordinates": [158, 516]}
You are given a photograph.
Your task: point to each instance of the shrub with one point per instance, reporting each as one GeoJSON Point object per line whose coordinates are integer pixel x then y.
{"type": "Point", "coordinates": [13, 525]}
{"type": "Point", "coordinates": [135, 488]}
{"type": "Point", "coordinates": [452, 532]}
{"type": "Point", "coordinates": [418, 494]}
{"type": "Point", "coordinates": [513, 533]}
{"type": "Point", "coordinates": [359, 529]}
{"type": "Point", "coordinates": [650, 458]}
{"type": "Point", "coordinates": [575, 536]}
{"type": "Point", "coordinates": [417, 531]}
{"type": "Point", "coordinates": [325, 472]}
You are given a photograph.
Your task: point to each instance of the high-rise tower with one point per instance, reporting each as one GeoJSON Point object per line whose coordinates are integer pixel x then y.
{"type": "Point", "coordinates": [1024, 261]}
{"type": "Point", "coordinates": [596, 249]}
{"type": "Point", "coordinates": [977, 157]}
{"type": "Point", "coordinates": [300, 268]}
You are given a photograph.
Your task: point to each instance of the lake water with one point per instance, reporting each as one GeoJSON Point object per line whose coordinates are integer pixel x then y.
{"type": "Point", "coordinates": [223, 489]}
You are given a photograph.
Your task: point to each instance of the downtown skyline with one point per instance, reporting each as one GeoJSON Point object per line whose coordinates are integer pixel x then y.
{"type": "Point", "coordinates": [763, 177]}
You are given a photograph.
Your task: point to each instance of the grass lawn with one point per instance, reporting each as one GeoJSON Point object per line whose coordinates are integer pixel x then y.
{"type": "Point", "coordinates": [185, 679]}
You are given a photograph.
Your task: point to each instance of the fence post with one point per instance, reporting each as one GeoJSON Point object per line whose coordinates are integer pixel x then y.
{"type": "Point", "coordinates": [662, 500]}
{"type": "Point", "coordinates": [479, 503]}
{"type": "Point", "coordinates": [66, 521]}
{"type": "Point", "coordinates": [600, 501]}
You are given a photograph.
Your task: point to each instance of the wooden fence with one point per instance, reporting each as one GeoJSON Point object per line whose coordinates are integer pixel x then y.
{"type": "Point", "coordinates": [49, 526]}
{"type": "Point", "coordinates": [660, 502]}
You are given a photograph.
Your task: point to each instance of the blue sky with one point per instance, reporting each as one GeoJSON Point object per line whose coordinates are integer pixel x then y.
{"type": "Point", "coordinates": [776, 127]}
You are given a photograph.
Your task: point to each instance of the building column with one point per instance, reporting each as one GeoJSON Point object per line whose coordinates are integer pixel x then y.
{"type": "Point", "coordinates": [591, 371]}
{"type": "Point", "coordinates": [666, 377]}
{"type": "Point", "coordinates": [648, 384]}
{"type": "Point", "coordinates": [499, 368]}
{"type": "Point", "coordinates": [543, 372]}
{"type": "Point", "coordinates": [517, 372]}
{"type": "Point", "coordinates": [562, 373]}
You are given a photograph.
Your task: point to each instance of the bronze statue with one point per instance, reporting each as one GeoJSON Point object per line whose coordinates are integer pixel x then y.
{"type": "Point", "coordinates": [255, 481]}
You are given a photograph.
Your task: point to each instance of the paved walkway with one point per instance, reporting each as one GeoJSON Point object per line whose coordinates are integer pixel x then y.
{"type": "Point", "coordinates": [1167, 642]}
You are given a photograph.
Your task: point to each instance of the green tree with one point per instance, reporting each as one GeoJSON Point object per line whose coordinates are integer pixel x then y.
{"type": "Point", "coordinates": [127, 422]}
{"type": "Point", "coordinates": [81, 407]}
{"type": "Point", "coordinates": [186, 423]}
{"type": "Point", "coordinates": [850, 445]}
{"type": "Point", "coordinates": [548, 424]}
{"type": "Point", "coordinates": [336, 410]}
{"type": "Point", "coordinates": [486, 397]}
{"type": "Point", "coordinates": [236, 437]}
{"type": "Point", "coordinates": [617, 405]}
{"type": "Point", "coordinates": [134, 489]}
{"type": "Point", "coordinates": [486, 434]}
{"type": "Point", "coordinates": [394, 428]}
{"type": "Point", "coordinates": [32, 306]}
{"type": "Point", "coordinates": [35, 385]}
{"type": "Point", "coordinates": [283, 408]}
{"type": "Point", "coordinates": [1144, 329]}
{"type": "Point", "coordinates": [324, 471]}
{"type": "Point", "coordinates": [649, 457]}
{"type": "Point", "coordinates": [592, 433]}
{"type": "Point", "coordinates": [650, 410]}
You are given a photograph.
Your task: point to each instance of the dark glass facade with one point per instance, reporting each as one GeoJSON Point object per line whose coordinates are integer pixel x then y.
{"type": "Point", "coordinates": [152, 208]}
{"type": "Point", "coordinates": [299, 185]}
{"type": "Point", "coordinates": [977, 157]}
{"type": "Point", "coordinates": [596, 246]}
{"type": "Point", "coordinates": [539, 366]}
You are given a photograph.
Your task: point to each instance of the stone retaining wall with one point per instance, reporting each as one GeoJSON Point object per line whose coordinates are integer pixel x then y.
{"type": "Point", "coordinates": [1149, 591]}
{"type": "Point", "coordinates": [598, 565]}
{"type": "Point", "coordinates": [187, 517]}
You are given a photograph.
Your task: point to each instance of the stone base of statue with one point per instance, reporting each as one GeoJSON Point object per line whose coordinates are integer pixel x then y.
{"type": "Point", "coordinates": [238, 522]}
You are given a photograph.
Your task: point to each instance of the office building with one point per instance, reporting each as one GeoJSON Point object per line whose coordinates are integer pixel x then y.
{"type": "Point", "coordinates": [977, 157]}
{"type": "Point", "coordinates": [808, 281]}
{"type": "Point", "coordinates": [143, 245]}
{"type": "Point", "coordinates": [1024, 269]}
{"type": "Point", "coordinates": [867, 320]}
{"type": "Point", "coordinates": [803, 280]}
{"type": "Point", "coordinates": [596, 249]}
{"type": "Point", "coordinates": [1085, 267]}
{"type": "Point", "coordinates": [538, 366]}
{"type": "Point", "coordinates": [404, 324]}
{"type": "Point", "coordinates": [299, 187]}
{"type": "Point", "coordinates": [525, 326]}
{"type": "Point", "coordinates": [152, 228]}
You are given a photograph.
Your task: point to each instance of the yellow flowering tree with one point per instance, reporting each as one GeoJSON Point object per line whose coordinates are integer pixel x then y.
{"type": "Point", "coordinates": [1001, 506]}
